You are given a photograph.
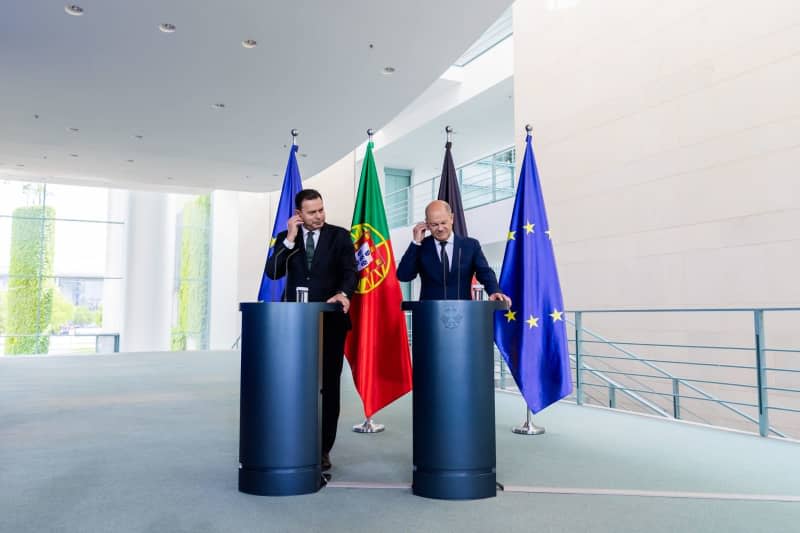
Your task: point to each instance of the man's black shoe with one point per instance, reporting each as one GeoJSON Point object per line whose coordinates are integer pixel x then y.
{"type": "Point", "coordinates": [325, 463]}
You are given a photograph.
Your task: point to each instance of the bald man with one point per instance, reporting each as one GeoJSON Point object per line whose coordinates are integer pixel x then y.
{"type": "Point", "coordinates": [444, 261]}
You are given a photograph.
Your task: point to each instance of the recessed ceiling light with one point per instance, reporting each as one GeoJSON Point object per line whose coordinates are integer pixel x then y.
{"type": "Point", "coordinates": [249, 43]}
{"type": "Point", "coordinates": [130, 160]}
{"type": "Point", "coordinates": [218, 105]}
{"type": "Point", "coordinates": [167, 27]}
{"type": "Point", "coordinates": [73, 130]}
{"type": "Point", "coordinates": [138, 137]}
{"type": "Point", "coordinates": [35, 116]}
{"type": "Point", "coordinates": [74, 10]}
{"type": "Point", "coordinates": [44, 157]}
{"type": "Point", "coordinates": [169, 178]}
{"type": "Point", "coordinates": [388, 71]}
{"type": "Point", "coordinates": [74, 155]}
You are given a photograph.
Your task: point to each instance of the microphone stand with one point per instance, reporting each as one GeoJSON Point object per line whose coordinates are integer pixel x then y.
{"type": "Point", "coordinates": [297, 249]}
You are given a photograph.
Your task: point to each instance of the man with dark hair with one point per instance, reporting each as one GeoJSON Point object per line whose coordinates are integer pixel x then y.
{"type": "Point", "coordinates": [306, 194]}
{"type": "Point", "coordinates": [444, 261]}
{"type": "Point", "coordinates": [320, 256]}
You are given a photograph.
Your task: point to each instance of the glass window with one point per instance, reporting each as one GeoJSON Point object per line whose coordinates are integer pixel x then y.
{"type": "Point", "coordinates": [484, 181]}
{"type": "Point", "coordinates": [54, 278]}
{"type": "Point", "coordinates": [476, 183]}
{"type": "Point", "coordinates": [397, 196]}
{"type": "Point", "coordinates": [504, 174]}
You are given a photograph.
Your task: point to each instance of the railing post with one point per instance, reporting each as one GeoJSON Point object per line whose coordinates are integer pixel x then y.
{"type": "Point", "coordinates": [612, 396]}
{"type": "Point", "coordinates": [410, 206]}
{"type": "Point", "coordinates": [676, 398]}
{"type": "Point", "coordinates": [494, 179]}
{"type": "Point", "coordinates": [578, 358]}
{"type": "Point", "coordinates": [761, 373]}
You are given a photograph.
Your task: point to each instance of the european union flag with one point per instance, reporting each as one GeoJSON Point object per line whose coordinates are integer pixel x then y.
{"type": "Point", "coordinates": [532, 335]}
{"type": "Point", "coordinates": [271, 290]}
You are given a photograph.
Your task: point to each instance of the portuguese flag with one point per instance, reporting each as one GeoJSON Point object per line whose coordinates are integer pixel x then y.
{"type": "Point", "coordinates": [377, 346]}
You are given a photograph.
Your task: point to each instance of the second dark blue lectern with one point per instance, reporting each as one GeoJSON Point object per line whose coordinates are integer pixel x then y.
{"type": "Point", "coordinates": [454, 429]}
{"type": "Point", "coordinates": [279, 413]}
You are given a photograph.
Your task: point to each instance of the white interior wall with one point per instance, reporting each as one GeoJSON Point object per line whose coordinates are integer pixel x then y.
{"type": "Point", "coordinates": [665, 134]}
{"type": "Point", "coordinates": [224, 322]}
{"type": "Point", "coordinates": [255, 216]}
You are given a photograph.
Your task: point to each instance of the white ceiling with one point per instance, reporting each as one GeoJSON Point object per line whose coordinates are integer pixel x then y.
{"type": "Point", "coordinates": [481, 125]}
{"type": "Point", "coordinates": [113, 75]}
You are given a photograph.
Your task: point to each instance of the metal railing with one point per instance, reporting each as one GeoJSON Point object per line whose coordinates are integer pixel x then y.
{"type": "Point", "coordinates": [75, 344]}
{"type": "Point", "coordinates": [731, 391]}
{"type": "Point", "coordinates": [622, 377]}
{"type": "Point", "coordinates": [482, 182]}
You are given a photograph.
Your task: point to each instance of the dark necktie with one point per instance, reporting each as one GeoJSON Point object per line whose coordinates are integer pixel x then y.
{"type": "Point", "coordinates": [445, 262]}
{"type": "Point", "coordinates": [309, 249]}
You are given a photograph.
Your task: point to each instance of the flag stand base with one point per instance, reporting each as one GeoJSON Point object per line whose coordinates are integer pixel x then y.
{"type": "Point", "coordinates": [368, 426]}
{"type": "Point", "coordinates": [528, 427]}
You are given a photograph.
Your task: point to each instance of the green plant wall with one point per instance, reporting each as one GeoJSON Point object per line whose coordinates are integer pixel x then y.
{"type": "Point", "coordinates": [192, 319]}
{"type": "Point", "coordinates": [30, 285]}
{"type": "Point", "coordinates": [3, 311]}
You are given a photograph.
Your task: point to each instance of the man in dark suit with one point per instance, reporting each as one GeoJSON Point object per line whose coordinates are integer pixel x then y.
{"type": "Point", "coordinates": [444, 261]}
{"type": "Point", "coordinates": [319, 256]}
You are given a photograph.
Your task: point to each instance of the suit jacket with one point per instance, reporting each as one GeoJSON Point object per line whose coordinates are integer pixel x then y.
{"type": "Point", "coordinates": [333, 269]}
{"type": "Point", "coordinates": [467, 259]}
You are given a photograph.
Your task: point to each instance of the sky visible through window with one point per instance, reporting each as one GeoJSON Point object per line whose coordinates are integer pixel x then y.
{"type": "Point", "coordinates": [80, 247]}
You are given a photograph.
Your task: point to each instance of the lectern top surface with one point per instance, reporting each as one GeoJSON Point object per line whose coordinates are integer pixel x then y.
{"type": "Point", "coordinates": [414, 305]}
{"type": "Point", "coordinates": [320, 306]}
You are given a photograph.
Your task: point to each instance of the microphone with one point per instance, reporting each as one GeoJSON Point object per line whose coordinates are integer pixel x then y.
{"type": "Point", "coordinates": [275, 269]}
{"type": "Point", "coordinates": [296, 249]}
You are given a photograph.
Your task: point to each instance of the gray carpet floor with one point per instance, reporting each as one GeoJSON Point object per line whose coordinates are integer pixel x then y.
{"type": "Point", "coordinates": [149, 442]}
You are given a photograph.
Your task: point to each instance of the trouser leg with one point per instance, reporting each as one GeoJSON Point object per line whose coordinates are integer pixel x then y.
{"type": "Point", "coordinates": [332, 362]}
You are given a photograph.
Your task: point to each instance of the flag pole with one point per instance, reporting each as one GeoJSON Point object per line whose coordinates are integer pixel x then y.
{"type": "Point", "coordinates": [449, 131]}
{"type": "Point", "coordinates": [295, 133]}
{"type": "Point", "coordinates": [528, 427]}
{"type": "Point", "coordinates": [368, 425]}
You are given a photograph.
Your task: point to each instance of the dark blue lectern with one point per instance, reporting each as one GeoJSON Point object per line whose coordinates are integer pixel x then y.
{"type": "Point", "coordinates": [279, 416]}
{"type": "Point", "coordinates": [454, 430]}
